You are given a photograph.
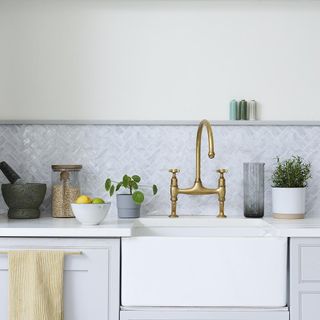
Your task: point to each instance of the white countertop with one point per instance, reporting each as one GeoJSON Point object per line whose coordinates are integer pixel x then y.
{"type": "Point", "coordinates": [112, 227]}
{"type": "Point", "coordinates": [68, 227]}
{"type": "Point", "coordinates": [308, 227]}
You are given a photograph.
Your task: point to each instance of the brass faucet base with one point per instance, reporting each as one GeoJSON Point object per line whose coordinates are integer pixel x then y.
{"type": "Point", "coordinates": [173, 216]}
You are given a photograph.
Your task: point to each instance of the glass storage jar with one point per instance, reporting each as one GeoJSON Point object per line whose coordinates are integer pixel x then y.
{"type": "Point", "coordinates": [65, 189]}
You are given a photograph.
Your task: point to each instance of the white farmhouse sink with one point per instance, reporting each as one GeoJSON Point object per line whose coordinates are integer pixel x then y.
{"type": "Point", "coordinates": [203, 262]}
{"type": "Point", "coordinates": [201, 227]}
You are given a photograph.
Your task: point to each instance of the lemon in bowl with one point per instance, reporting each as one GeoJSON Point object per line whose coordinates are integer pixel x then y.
{"type": "Point", "coordinates": [89, 211]}
{"type": "Point", "coordinates": [83, 199]}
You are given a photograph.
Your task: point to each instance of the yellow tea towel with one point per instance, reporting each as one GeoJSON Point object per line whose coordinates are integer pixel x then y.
{"type": "Point", "coordinates": [36, 285]}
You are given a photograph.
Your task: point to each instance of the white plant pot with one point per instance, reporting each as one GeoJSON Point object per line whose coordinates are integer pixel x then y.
{"type": "Point", "coordinates": [288, 203]}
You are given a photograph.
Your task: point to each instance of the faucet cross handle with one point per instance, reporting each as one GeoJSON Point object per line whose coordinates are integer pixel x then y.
{"type": "Point", "coordinates": [222, 171]}
{"type": "Point", "coordinates": [174, 171]}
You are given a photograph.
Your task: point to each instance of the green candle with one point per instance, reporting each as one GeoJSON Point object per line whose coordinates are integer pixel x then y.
{"type": "Point", "coordinates": [243, 110]}
{"type": "Point", "coordinates": [233, 110]}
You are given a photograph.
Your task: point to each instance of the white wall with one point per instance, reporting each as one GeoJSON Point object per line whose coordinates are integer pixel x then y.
{"type": "Point", "coordinates": [99, 59]}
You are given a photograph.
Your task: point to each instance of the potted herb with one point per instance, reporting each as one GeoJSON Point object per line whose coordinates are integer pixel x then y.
{"type": "Point", "coordinates": [289, 182]}
{"type": "Point", "coordinates": [128, 204]}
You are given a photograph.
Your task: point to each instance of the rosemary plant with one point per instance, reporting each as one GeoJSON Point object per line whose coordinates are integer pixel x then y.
{"type": "Point", "coordinates": [291, 173]}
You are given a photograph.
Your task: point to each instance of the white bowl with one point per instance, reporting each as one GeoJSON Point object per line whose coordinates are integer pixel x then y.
{"type": "Point", "coordinates": [90, 214]}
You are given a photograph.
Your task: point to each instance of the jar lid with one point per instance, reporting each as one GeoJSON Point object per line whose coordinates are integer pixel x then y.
{"type": "Point", "coordinates": [66, 167]}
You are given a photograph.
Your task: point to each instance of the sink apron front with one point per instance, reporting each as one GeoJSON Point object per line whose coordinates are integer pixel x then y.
{"type": "Point", "coordinates": [204, 271]}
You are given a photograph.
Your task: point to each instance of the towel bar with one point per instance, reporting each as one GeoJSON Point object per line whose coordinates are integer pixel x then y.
{"type": "Point", "coordinates": [66, 253]}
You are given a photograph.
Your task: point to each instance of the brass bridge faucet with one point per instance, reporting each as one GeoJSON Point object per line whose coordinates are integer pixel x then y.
{"type": "Point", "coordinates": [198, 188]}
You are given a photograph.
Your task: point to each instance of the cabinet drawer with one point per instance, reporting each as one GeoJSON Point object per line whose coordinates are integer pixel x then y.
{"type": "Point", "coordinates": [309, 262]}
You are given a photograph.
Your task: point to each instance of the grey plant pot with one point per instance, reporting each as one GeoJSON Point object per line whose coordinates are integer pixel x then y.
{"type": "Point", "coordinates": [127, 208]}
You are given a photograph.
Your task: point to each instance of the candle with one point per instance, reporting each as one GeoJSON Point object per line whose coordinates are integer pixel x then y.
{"type": "Point", "coordinates": [233, 110]}
{"type": "Point", "coordinates": [243, 110]}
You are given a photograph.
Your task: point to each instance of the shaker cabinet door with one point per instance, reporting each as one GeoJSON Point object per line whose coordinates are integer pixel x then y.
{"type": "Point", "coordinates": [304, 278]}
{"type": "Point", "coordinates": [91, 279]}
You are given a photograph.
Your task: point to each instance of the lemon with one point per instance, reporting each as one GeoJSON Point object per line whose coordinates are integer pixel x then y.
{"type": "Point", "coordinates": [83, 199]}
{"type": "Point", "coordinates": [97, 201]}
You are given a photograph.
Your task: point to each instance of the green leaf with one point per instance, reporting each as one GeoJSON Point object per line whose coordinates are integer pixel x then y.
{"type": "Point", "coordinates": [111, 190]}
{"type": "Point", "coordinates": [138, 197]}
{"type": "Point", "coordinates": [107, 184]}
{"type": "Point", "coordinates": [136, 178]}
{"type": "Point", "coordinates": [119, 185]}
{"type": "Point", "coordinates": [133, 185]}
{"type": "Point", "coordinates": [125, 181]}
{"type": "Point", "coordinates": [154, 189]}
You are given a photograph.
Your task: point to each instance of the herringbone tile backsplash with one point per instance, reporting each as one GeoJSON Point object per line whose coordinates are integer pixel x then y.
{"type": "Point", "coordinates": [112, 150]}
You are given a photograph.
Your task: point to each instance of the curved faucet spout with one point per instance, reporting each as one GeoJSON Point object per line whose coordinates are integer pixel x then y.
{"type": "Point", "coordinates": [203, 123]}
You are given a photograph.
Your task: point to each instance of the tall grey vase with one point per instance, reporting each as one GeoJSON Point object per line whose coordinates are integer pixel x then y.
{"type": "Point", "coordinates": [127, 208]}
{"type": "Point", "coordinates": [253, 189]}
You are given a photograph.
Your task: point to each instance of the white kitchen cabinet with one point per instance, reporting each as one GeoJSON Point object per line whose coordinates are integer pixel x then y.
{"type": "Point", "coordinates": [91, 280]}
{"type": "Point", "coordinates": [304, 278]}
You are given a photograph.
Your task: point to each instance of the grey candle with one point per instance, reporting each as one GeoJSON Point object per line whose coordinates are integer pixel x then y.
{"type": "Point", "coordinates": [253, 189]}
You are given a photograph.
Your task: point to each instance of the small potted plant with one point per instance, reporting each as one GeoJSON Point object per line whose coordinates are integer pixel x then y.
{"type": "Point", "coordinates": [128, 204]}
{"type": "Point", "coordinates": [289, 182]}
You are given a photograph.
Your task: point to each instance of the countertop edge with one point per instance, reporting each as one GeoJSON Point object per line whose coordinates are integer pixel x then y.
{"type": "Point", "coordinates": [47, 227]}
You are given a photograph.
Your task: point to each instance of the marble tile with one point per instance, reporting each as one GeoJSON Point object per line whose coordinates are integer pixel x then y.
{"type": "Point", "coordinates": [112, 150]}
